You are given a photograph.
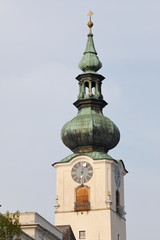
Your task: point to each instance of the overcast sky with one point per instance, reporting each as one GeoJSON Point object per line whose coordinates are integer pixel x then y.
{"type": "Point", "coordinates": [41, 44]}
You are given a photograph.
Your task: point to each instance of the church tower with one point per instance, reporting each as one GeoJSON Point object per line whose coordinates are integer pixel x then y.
{"type": "Point", "coordinates": [89, 182]}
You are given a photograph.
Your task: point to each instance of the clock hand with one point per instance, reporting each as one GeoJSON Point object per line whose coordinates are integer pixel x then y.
{"type": "Point", "coordinates": [82, 176]}
{"type": "Point", "coordinates": [84, 164]}
{"type": "Point", "coordinates": [82, 170]}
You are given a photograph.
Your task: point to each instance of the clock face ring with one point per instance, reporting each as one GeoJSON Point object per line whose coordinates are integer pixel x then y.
{"type": "Point", "coordinates": [82, 172]}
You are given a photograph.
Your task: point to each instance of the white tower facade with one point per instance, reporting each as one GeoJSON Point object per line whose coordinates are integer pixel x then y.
{"type": "Point", "coordinates": [94, 209]}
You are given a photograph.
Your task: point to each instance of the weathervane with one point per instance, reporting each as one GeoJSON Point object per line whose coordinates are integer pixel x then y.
{"type": "Point", "coordinates": [90, 23]}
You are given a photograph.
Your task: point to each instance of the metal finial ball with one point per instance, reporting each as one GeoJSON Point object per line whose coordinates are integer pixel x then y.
{"type": "Point", "coordinates": [90, 24]}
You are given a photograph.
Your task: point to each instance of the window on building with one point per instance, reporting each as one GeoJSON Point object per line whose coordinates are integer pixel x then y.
{"type": "Point", "coordinates": [82, 234]}
{"type": "Point", "coordinates": [119, 208]}
{"type": "Point", "coordinates": [82, 199]}
{"type": "Point", "coordinates": [117, 198]}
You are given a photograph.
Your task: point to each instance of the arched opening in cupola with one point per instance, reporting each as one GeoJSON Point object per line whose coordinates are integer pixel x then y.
{"type": "Point", "coordinates": [93, 88]}
{"type": "Point", "coordinates": [90, 88]}
{"type": "Point", "coordinates": [86, 88]}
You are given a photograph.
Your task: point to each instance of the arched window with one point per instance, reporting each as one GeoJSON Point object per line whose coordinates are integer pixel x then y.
{"type": "Point", "coordinates": [117, 198]}
{"type": "Point", "coordinates": [93, 88]}
{"type": "Point", "coordinates": [119, 208]}
{"type": "Point", "coordinates": [86, 88]}
{"type": "Point", "coordinates": [82, 199]}
{"type": "Point", "coordinates": [117, 202]}
{"type": "Point", "coordinates": [89, 88]}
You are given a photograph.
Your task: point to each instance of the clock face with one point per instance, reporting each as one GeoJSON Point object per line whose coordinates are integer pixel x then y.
{"type": "Point", "coordinates": [117, 176]}
{"type": "Point", "coordinates": [82, 172]}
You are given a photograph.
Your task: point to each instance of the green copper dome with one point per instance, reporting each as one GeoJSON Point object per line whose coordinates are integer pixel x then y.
{"type": "Point", "coordinates": [90, 131]}
{"type": "Point", "coordinates": [90, 61]}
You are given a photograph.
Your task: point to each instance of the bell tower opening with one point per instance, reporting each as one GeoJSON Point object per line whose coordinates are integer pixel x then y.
{"type": "Point", "coordinates": [86, 88]}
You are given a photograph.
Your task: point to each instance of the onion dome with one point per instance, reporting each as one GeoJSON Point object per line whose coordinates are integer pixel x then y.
{"type": "Point", "coordinates": [90, 61]}
{"type": "Point", "coordinates": [90, 130]}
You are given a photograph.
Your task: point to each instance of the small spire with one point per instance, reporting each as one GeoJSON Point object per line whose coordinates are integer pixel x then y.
{"type": "Point", "coordinates": [90, 23]}
{"type": "Point", "coordinates": [90, 61]}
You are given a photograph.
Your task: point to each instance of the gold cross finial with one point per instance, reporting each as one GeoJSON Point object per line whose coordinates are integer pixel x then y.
{"type": "Point", "coordinates": [90, 14]}
{"type": "Point", "coordinates": [90, 23]}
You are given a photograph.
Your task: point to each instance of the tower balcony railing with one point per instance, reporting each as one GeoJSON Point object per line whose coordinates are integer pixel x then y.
{"type": "Point", "coordinates": [82, 206]}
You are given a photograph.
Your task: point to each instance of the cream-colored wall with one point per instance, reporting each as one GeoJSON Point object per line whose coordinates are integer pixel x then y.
{"type": "Point", "coordinates": [118, 226]}
{"type": "Point", "coordinates": [102, 220]}
{"type": "Point", "coordinates": [24, 236]}
{"type": "Point", "coordinates": [65, 186]}
{"type": "Point", "coordinates": [95, 223]}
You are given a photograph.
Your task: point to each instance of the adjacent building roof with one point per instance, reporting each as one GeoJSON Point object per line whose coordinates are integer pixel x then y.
{"type": "Point", "coordinates": [37, 227]}
{"type": "Point", "coordinates": [67, 232]}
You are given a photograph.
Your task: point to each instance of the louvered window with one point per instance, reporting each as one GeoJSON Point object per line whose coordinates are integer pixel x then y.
{"type": "Point", "coordinates": [82, 199]}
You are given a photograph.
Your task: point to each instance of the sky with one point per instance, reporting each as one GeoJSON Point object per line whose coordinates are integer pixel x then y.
{"type": "Point", "coordinates": [41, 45]}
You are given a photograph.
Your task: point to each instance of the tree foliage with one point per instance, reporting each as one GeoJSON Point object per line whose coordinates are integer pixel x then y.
{"type": "Point", "coordinates": [9, 226]}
